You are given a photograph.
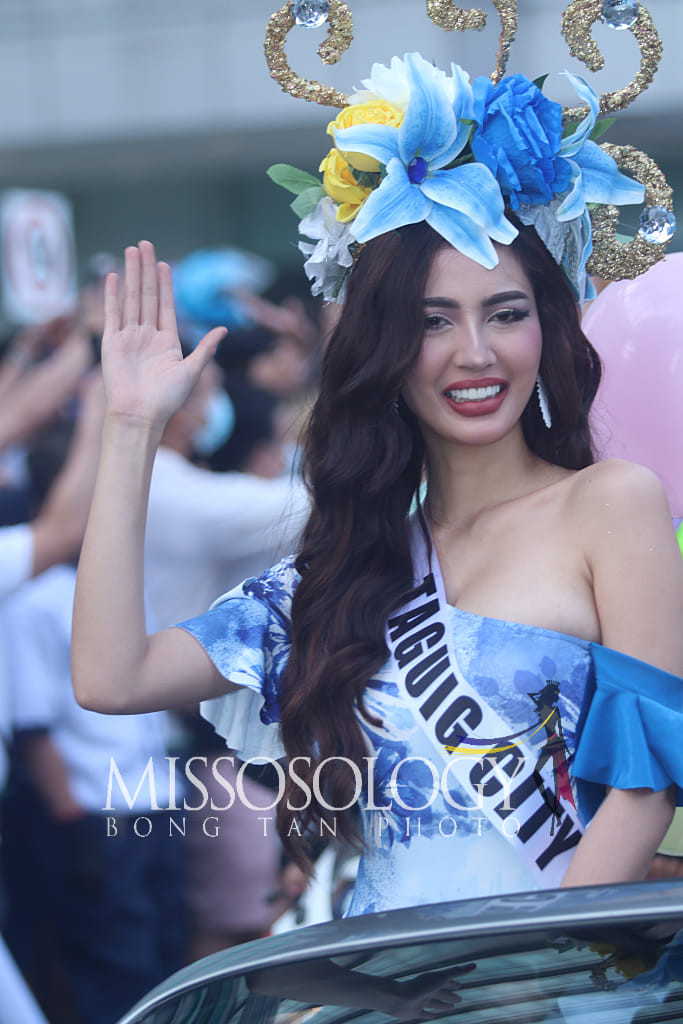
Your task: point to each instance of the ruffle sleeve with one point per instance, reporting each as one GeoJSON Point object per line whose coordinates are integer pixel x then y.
{"type": "Point", "coordinates": [631, 735]}
{"type": "Point", "coordinates": [246, 633]}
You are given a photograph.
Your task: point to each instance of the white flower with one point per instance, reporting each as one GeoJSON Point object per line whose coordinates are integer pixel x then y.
{"type": "Point", "coordinates": [393, 85]}
{"type": "Point", "coordinates": [390, 84]}
{"type": "Point", "coordinates": [329, 259]}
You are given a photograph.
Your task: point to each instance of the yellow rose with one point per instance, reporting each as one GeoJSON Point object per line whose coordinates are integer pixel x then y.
{"type": "Point", "coordinates": [374, 112]}
{"type": "Point", "coordinates": [340, 185]}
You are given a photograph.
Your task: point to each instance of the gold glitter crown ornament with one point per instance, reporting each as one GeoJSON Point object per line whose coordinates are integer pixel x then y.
{"type": "Point", "coordinates": [417, 143]}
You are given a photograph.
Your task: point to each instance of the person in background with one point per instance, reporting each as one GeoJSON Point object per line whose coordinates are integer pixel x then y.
{"type": "Point", "coordinates": [54, 534]}
{"type": "Point", "coordinates": [256, 443]}
{"type": "Point", "coordinates": [280, 356]}
{"type": "Point", "coordinates": [204, 531]}
{"type": "Point", "coordinates": [42, 370]}
{"type": "Point", "coordinates": [287, 367]}
{"type": "Point", "coordinates": [100, 920]}
{"type": "Point", "coordinates": [204, 528]}
{"type": "Point", "coordinates": [27, 549]}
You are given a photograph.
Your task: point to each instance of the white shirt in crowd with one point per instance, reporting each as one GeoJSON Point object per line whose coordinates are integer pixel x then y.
{"type": "Point", "coordinates": [37, 636]}
{"type": "Point", "coordinates": [16, 557]}
{"type": "Point", "coordinates": [16, 565]}
{"type": "Point", "coordinates": [208, 531]}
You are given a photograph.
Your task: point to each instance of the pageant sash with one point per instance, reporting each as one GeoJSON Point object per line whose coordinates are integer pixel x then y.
{"type": "Point", "coordinates": [498, 775]}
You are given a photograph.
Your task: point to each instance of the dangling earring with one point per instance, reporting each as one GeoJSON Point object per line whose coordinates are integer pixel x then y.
{"type": "Point", "coordinates": [543, 402]}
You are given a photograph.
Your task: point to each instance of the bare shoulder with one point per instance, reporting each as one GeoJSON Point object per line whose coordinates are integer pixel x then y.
{"type": "Point", "coordinates": [620, 484]}
{"type": "Point", "coordinates": [619, 499]}
{"type": "Point", "coordinates": [621, 514]}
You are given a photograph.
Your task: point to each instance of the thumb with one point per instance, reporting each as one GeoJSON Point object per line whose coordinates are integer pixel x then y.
{"type": "Point", "coordinates": [204, 351]}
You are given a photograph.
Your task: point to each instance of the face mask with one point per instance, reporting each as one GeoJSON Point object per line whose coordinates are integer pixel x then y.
{"type": "Point", "coordinates": [218, 425]}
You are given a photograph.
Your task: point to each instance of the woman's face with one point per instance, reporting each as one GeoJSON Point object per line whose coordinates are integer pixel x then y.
{"type": "Point", "coordinates": [480, 351]}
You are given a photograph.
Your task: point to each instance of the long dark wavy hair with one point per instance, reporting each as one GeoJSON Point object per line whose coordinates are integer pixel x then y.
{"type": "Point", "coordinates": [364, 462]}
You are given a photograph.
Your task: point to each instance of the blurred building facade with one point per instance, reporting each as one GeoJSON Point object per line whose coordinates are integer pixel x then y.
{"type": "Point", "coordinates": [158, 118]}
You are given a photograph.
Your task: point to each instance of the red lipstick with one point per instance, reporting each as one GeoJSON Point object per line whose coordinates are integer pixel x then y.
{"type": "Point", "coordinates": [473, 406]}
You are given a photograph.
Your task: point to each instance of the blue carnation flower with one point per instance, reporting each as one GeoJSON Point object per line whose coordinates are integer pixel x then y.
{"type": "Point", "coordinates": [519, 139]}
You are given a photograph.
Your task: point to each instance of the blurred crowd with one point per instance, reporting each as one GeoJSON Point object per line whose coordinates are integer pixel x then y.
{"type": "Point", "coordinates": [116, 871]}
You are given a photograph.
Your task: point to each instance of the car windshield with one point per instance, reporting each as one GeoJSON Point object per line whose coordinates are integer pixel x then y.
{"type": "Point", "coordinates": [595, 975]}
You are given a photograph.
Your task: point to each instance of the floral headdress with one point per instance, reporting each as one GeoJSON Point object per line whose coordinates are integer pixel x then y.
{"type": "Point", "coordinates": [419, 144]}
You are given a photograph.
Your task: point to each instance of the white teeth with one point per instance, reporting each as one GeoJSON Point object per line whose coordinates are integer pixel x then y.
{"type": "Point", "coordinates": [474, 394]}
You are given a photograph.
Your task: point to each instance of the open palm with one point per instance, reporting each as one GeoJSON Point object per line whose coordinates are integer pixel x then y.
{"type": "Point", "coordinates": [146, 378]}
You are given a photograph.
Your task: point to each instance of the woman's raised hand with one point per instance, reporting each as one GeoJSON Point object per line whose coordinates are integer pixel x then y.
{"type": "Point", "coordinates": [146, 380]}
{"type": "Point", "coordinates": [145, 376]}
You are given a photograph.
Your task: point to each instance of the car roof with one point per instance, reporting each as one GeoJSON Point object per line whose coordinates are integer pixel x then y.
{"type": "Point", "coordinates": [488, 931]}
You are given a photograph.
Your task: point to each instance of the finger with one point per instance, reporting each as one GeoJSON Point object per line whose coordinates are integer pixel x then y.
{"type": "Point", "coordinates": [167, 318]}
{"type": "Point", "coordinates": [445, 992]}
{"type": "Point", "coordinates": [131, 287]}
{"type": "Point", "coordinates": [205, 351]}
{"type": "Point", "coordinates": [150, 293]}
{"type": "Point", "coordinates": [112, 306]}
{"type": "Point", "coordinates": [449, 992]}
{"type": "Point", "coordinates": [440, 999]}
{"type": "Point", "coordinates": [261, 310]}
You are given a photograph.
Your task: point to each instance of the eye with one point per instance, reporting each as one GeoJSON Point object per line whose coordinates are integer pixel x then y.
{"type": "Point", "coordinates": [509, 316]}
{"type": "Point", "coordinates": [434, 321]}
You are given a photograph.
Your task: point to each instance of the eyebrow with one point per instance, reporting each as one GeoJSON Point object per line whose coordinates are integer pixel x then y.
{"type": "Point", "coordinates": [492, 300]}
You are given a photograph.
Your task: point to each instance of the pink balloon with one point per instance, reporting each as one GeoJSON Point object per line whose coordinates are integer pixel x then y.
{"type": "Point", "coordinates": [637, 328]}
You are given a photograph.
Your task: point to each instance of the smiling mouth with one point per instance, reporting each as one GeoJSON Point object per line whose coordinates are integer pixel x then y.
{"type": "Point", "coordinates": [474, 394]}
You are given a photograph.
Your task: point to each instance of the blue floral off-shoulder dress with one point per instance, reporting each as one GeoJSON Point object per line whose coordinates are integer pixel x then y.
{"type": "Point", "coordinates": [621, 721]}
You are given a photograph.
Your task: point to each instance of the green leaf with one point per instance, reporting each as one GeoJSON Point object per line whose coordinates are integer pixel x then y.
{"type": "Point", "coordinates": [307, 200]}
{"type": "Point", "coordinates": [601, 127]}
{"type": "Point", "coordinates": [540, 81]}
{"type": "Point", "coordinates": [459, 161]}
{"type": "Point", "coordinates": [366, 179]}
{"type": "Point", "coordinates": [339, 284]}
{"type": "Point", "coordinates": [292, 178]}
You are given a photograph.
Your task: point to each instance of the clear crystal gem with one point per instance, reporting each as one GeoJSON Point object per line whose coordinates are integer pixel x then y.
{"type": "Point", "coordinates": [310, 13]}
{"type": "Point", "coordinates": [620, 13]}
{"type": "Point", "coordinates": [657, 224]}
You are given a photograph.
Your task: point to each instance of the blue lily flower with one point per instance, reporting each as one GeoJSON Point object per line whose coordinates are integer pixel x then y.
{"type": "Point", "coordinates": [595, 177]}
{"type": "Point", "coordinates": [464, 204]}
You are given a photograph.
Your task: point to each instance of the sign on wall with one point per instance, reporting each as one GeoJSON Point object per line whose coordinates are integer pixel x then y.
{"type": "Point", "coordinates": [38, 259]}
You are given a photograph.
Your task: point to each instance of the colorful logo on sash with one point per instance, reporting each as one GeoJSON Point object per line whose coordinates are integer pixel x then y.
{"type": "Point", "coordinates": [554, 748]}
